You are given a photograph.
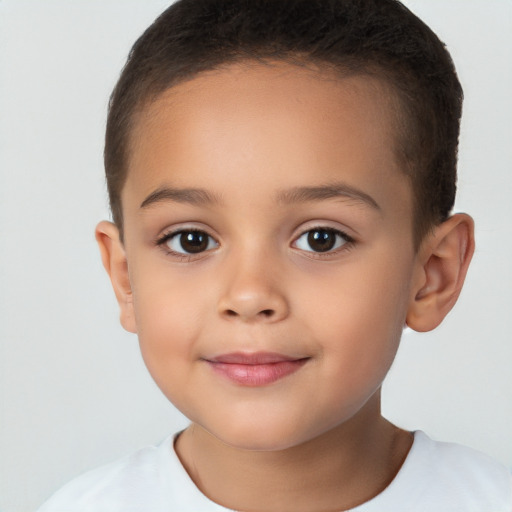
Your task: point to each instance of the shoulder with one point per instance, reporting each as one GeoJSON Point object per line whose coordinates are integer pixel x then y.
{"type": "Point", "coordinates": [151, 479]}
{"type": "Point", "coordinates": [455, 476]}
{"type": "Point", "coordinates": [445, 477]}
{"type": "Point", "coordinates": [121, 485]}
{"type": "Point", "coordinates": [464, 467]}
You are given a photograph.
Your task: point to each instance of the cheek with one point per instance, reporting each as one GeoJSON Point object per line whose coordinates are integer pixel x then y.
{"type": "Point", "coordinates": [359, 313]}
{"type": "Point", "coordinates": [170, 315]}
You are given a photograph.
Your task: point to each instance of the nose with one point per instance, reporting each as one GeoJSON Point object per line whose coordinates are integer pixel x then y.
{"type": "Point", "coordinates": [253, 292]}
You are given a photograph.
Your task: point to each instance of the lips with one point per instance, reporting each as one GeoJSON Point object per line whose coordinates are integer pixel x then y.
{"type": "Point", "coordinates": [255, 369]}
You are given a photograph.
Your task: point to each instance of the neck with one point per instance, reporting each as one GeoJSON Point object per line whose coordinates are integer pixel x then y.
{"type": "Point", "coordinates": [337, 470]}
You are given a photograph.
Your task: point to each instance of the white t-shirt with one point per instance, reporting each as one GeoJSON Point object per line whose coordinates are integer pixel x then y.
{"type": "Point", "coordinates": [435, 477]}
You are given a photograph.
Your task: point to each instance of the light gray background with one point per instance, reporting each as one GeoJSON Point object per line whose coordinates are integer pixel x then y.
{"type": "Point", "coordinates": [73, 390]}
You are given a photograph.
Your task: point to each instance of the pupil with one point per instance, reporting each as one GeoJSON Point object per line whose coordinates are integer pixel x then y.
{"type": "Point", "coordinates": [194, 241]}
{"type": "Point", "coordinates": [321, 240]}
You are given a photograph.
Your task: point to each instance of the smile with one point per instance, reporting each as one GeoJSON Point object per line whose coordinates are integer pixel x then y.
{"type": "Point", "coordinates": [255, 369]}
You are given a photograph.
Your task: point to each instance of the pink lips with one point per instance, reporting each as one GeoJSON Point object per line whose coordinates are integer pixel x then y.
{"type": "Point", "coordinates": [255, 369]}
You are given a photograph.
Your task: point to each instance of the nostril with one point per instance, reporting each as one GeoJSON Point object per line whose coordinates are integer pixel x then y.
{"type": "Point", "coordinates": [246, 313]}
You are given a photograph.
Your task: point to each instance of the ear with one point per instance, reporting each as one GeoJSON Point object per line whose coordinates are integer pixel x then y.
{"type": "Point", "coordinates": [443, 260]}
{"type": "Point", "coordinates": [114, 260]}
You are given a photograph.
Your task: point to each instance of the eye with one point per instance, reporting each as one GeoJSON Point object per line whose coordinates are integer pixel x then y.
{"type": "Point", "coordinates": [189, 241]}
{"type": "Point", "coordinates": [322, 240]}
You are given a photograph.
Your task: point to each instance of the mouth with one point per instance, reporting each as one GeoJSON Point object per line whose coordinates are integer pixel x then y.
{"type": "Point", "coordinates": [255, 369]}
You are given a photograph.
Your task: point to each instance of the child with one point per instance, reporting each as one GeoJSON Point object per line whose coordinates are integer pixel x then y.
{"type": "Point", "coordinates": [281, 176]}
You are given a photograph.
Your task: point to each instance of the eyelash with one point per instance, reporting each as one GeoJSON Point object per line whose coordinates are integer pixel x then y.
{"type": "Point", "coordinates": [346, 242]}
{"type": "Point", "coordinates": [184, 256]}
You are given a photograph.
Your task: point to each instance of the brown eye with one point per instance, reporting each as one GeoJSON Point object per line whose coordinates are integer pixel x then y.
{"type": "Point", "coordinates": [190, 242]}
{"type": "Point", "coordinates": [321, 240]}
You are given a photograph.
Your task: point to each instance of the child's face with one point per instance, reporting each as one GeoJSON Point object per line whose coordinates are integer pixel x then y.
{"type": "Point", "coordinates": [240, 187]}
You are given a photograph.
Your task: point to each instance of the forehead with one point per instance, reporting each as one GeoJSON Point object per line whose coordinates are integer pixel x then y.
{"type": "Point", "coordinates": [241, 92]}
{"type": "Point", "coordinates": [252, 117]}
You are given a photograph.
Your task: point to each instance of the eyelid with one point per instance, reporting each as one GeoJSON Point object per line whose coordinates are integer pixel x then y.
{"type": "Point", "coordinates": [171, 232]}
{"type": "Point", "coordinates": [179, 228]}
{"type": "Point", "coordinates": [326, 225]}
{"type": "Point", "coordinates": [348, 244]}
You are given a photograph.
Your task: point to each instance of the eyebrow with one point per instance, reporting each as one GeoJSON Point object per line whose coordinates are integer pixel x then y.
{"type": "Point", "coordinates": [195, 196]}
{"type": "Point", "coordinates": [198, 196]}
{"type": "Point", "coordinates": [321, 192]}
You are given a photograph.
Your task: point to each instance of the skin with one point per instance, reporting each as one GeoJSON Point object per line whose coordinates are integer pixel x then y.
{"type": "Point", "coordinates": [249, 136]}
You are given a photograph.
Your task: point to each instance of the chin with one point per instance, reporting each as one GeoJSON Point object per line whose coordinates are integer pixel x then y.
{"type": "Point", "coordinates": [263, 436]}
{"type": "Point", "coordinates": [259, 443]}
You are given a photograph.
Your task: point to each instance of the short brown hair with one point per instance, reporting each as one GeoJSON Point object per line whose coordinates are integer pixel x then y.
{"type": "Point", "coordinates": [378, 37]}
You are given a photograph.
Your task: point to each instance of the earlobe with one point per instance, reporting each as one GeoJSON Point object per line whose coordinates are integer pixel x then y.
{"type": "Point", "coordinates": [114, 260]}
{"type": "Point", "coordinates": [443, 261]}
